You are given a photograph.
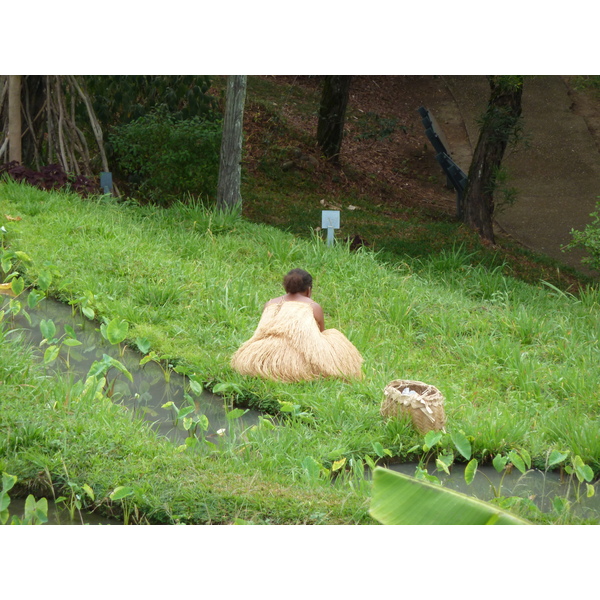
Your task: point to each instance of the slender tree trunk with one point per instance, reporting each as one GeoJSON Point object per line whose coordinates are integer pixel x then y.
{"type": "Point", "coordinates": [332, 114]}
{"type": "Point", "coordinates": [230, 167]}
{"type": "Point", "coordinates": [499, 126]}
{"type": "Point", "coordinates": [14, 118]}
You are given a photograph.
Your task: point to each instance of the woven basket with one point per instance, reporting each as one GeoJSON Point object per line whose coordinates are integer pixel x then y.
{"type": "Point", "coordinates": [425, 407]}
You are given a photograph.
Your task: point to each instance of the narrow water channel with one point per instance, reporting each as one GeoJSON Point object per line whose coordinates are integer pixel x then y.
{"type": "Point", "coordinates": [148, 392]}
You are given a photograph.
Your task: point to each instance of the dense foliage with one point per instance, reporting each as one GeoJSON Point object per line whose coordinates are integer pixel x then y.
{"type": "Point", "coordinates": [119, 99]}
{"type": "Point", "coordinates": [589, 240]}
{"type": "Point", "coordinates": [164, 159]}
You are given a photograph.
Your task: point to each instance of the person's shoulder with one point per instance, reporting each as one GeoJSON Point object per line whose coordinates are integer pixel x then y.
{"type": "Point", "coordinates": [274, 301]}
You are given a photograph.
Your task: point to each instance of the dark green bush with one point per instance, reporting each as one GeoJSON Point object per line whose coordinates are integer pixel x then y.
{"type": "Point", "coordinates": [164, 159]}
{"type": "Point", "coordinates": [589, 239]}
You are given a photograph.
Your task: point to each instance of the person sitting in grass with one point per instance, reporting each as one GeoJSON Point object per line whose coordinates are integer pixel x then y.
{"type": "Point", "coordinates": [291, 342]}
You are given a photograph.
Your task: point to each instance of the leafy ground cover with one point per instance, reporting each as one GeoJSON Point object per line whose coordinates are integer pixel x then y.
{"type": "Point", "coordinates": [517, 363]}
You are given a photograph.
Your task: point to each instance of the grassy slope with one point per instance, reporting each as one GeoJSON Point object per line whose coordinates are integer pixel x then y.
{"type": "Point", "coordinates": [516, 363]}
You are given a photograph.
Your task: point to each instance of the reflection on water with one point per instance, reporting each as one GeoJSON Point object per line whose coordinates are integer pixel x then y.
{"type": "Point", "coordinates": [62, 517]}
{"type": "Point", "coordinates": [149, 390]}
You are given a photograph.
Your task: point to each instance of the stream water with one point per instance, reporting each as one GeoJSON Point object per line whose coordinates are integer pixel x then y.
{"type": "Point", "coordinates": [150, 390]}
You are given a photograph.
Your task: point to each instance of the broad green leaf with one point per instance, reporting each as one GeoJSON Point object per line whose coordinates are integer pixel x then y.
{"type": "Point", "coordinates": [402, 500]}
{"type": "Point", "coordinates": [499, 462]}
{"type": "Point", "coordinates": [470, 471]}
{"type": "Point", "coordinates": [378, 449]}
{"type": "Point", "coordinates": [590, 490]}
{"type": "Point", "coordinates": [184, 412]}
{"type": "Point", "coordinates": [70, 332]}
{"type": "Point", "coordinates": [143, 345]}
{"type": "Point", "coordinates": [338, 464]}
{"type": "Point", "coordinates": [51, 354]}
{"type": "Point", "coordinates": [34, 298]}
{"type": "Point", "coordinates": [265, 423]}
{"type": "Point", "coordinates": [113, 362]}
{"type": "Point", "coordinates": [23, 257]}
{"type": "Point", "coordinates": [8, 481]}
{"type": "Point", "coordinates": [116, 331]}
{"type": "Point", "coordinates": [516, 460]}
{"type": "Point", "coordinates": [463, 445]}
{"type": "Point", "coordinates": [18, 286]}
{"type": "Point", "coordinates": [4, 501]}
{"type": "Point", "coordinates": [284, 405]}
{"type": "Point", "coordinates": [526, 457]}
{"type": "Point", "coordinates": [583, 471]}
{"type": "Point", "coordinates": [423, 475]}
{"type": "Point", "coordinates": [48, 329]}
{"type": "Point", "coordinates": [88, 312]}
{"type": "Point", "coordinates": [187, 423]}
{"type": "Point", "coordinates": [44, 280]}
{"type": "Point", "coordinates": [121, 492]}
{"type": "Point", "coordinates": [203, 422]}
{"type": "Point", "coordinates": [431, 439]}
{"type": "Point", "coordinates": [560, 504]}
{"type": "Point", "coordinates": [236, 413]}
{"type": "Point", "coordinates": [556, 457]}
{"type": "Point", "coordinates": [441, 465]}
{"type": "Point", "coordinates": [220, 388]}
{"type": "Point", "coordinates": [168, 404]}
{"type": "Point", "coordinates": [89, 491]}
{"type": "Point", "coordinates": [196, 387]}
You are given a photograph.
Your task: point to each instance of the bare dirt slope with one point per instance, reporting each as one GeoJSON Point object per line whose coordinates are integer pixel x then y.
{"type": "Point", "coordinates": [556, 171]}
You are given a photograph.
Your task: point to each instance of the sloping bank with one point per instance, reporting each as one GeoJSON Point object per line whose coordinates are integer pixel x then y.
{"type": "Point", "coordinates": [516, 363]}
{"type": "Point", "coordinates": [54, 436]}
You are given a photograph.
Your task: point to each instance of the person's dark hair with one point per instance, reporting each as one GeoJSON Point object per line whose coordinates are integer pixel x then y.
{"type": "Point", "coordinates": [297, 281]}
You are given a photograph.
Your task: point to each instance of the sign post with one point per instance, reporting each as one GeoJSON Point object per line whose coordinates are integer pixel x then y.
{"type": "Point", "coordinates": [106, 182]}
{"type": "Point", "coordinates": [330, 220]}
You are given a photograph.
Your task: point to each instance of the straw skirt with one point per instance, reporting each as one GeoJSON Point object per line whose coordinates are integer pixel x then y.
{"type": "Point", "coordinates": [288, 346]}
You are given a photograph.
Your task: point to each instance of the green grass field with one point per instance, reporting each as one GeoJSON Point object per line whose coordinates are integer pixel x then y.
{"type": "Point", "coordinates": [517, 363]}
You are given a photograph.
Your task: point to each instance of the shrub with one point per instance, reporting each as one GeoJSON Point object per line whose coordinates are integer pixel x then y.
{"type": "Point", "coordinates": [51, 177]}
{"type": "Point", "coordinates": [589, 240]}
{"type": "Point", "coordinates": [165, 159]}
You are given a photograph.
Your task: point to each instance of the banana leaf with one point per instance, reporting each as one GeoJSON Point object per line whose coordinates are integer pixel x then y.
{"type": "Point", "coordinates": [402, 500]}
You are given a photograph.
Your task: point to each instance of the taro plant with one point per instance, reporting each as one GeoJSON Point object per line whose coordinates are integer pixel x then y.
{"type": "Point", "coordinates": [123, 494]}
{"type": "Point", "coordinates": [159, 360]}
{"type": "Point", "coordinates": [85, 304]}
{"type": "Point", "coordinates": [115, 332]}
{"type": "Point", "coordinates": [99, 370]}
{"type": "Point", "coordinates": [73, 502]}
{"type": "Point", "coordinates": [68, 339]}
{"type": "Point", "coordinates": [36, 511]}
{"type": "Point", "coordinates": [190, 419]}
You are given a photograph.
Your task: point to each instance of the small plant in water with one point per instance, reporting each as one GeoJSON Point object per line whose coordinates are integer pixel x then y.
{"type": "Point", "coordinates": [36, 511]}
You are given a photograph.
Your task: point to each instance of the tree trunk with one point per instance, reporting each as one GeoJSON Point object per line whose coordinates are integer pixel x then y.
{"type": "Point", "coordinates": [500, 125]}
{"type": "Point", "coordinates": [230, 167]}
{"type": "Point", "coordinates": [14, 118]}
{"type": "Point", "coordinates": [332, 113]}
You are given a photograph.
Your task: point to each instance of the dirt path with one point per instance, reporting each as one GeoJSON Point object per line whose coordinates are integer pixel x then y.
{"type": "Point", "coordinates": [557, 174]}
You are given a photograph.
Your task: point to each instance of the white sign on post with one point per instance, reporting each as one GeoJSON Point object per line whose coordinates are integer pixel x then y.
{"type": "Point", "coordinates": [330, 220]}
